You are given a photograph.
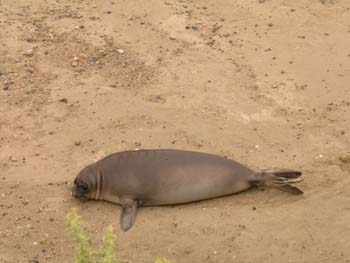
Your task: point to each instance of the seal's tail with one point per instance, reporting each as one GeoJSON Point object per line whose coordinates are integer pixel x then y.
{"type": "Point", "coordinates": [281, 179]}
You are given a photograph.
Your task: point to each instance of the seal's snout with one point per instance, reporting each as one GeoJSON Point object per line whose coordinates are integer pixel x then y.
{"type": "Point", "coordinates": [84, 184]}
{"type": "Point", "coordinates": [78, 194]}
{"type": "Point", "coordinates": [75, 193]}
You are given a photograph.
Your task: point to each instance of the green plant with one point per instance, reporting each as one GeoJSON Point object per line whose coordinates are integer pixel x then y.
{"type": "Point", "coordinates": [83, 252]}
{"type": "Point", "coordinates": [81, 244]}
{"type": "Point", "coordinates": [162, 260]}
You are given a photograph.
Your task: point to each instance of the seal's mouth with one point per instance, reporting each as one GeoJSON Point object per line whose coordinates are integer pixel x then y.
{"type": "Point", "coordinates": [78, 194]}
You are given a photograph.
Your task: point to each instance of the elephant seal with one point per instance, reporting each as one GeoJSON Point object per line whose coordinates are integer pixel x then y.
{"type": "Point", "coordinates": [162, 177]}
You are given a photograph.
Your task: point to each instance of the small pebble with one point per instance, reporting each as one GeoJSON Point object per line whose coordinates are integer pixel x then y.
{"type": "Point", "coordinates": [63, 100]}
{"type": "Point", "coordinates": [77, 143]}
{"type": "Point", "coordinates": [120, 51]}
{"type": "Point", "coordinates": [73, 14]}
{"type": "Point", "coordinates": [29, 52]}
{"type": "Point", "coordinates": [13, 159]}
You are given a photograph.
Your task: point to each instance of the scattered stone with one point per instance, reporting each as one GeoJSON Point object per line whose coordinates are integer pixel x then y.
{"type": "Point", "coordinates": [188, 251]}
{"type": "Point", "coordinates": [2, 73]}
{"type": "Point", "coordinates": [157, 99]}
{"type": "Point", "coordinates": [34, 260]}
{"type": "Point", "coordinates": [77, 143]}
{"type": "Point", "coordinates": [29, 52]}
{"type": "Point", "coordinates": [120, 51]}
{"type": "Point", "coordinates": [25, 202]}
{"type": "Point", "coordinates": [345, 158]}
{"type": "Point", "coordinates": [137, 144]}
{"type": "Point", "coordinates": [30, 70]}
{"type": "Point", "coordinates": [63, 100]}
{"type": "Point", "coordinates": [30, 39]}
{"type": "Point", "coordinates": [13, 159]}
{"type": "Point", "coordinates": [73, 14]}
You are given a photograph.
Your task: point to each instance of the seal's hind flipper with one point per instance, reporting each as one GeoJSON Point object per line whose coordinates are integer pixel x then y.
{"type": "Point", "coordinates": [280, 179]}
{"type": "Point", "coordinates": [128, 215]}
{"type": "Point", "coordinates": [290, 174]}
{"type": "Point", "coordinates": [290, 189]}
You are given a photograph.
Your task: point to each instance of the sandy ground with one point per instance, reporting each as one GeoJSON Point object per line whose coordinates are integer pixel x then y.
{"type": "Point", "coordinates": [265, 82]}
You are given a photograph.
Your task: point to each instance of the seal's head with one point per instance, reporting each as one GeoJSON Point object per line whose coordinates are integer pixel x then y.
{"type": "Point", "coordinates": [87, 184]}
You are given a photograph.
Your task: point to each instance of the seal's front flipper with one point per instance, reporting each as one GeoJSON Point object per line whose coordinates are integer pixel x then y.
{"type": "Point", "coordinates": [128, 215]}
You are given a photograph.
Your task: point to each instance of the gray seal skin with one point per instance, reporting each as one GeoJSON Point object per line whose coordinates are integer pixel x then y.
{"type": "Point", "coordinates": [163, 177]}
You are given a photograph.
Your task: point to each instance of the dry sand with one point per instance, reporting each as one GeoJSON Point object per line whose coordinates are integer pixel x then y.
{"type": "Point", "coordinates": [265, 82]}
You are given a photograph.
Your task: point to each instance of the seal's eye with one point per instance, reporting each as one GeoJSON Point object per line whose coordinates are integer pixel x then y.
{"type": "Point", "coordinates": [83, 188]}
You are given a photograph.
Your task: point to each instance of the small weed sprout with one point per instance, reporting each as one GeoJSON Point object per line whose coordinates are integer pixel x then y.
{"type": "Point", "coordinates": [83, 252]}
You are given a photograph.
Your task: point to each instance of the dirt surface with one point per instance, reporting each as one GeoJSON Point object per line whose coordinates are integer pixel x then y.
{"type": "Point", "coordinates": [265, 82]}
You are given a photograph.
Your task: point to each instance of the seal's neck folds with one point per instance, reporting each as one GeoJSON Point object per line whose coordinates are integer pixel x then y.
{"type": "Point", "coordinates": [98, 186]}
